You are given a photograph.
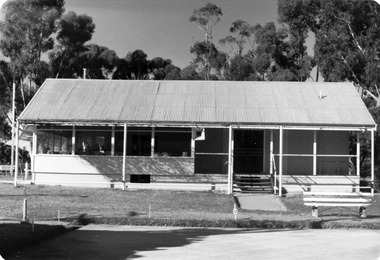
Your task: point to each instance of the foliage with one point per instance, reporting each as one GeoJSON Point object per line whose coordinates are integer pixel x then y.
{"type": "Point", "coordinates": [27, 29]}
{"type": "Point", "coordinates": [5, 154]}
{"type": "Point", "coordinates": [347, 46]}
{"type": "Point", "coordinates": [209, 62]}
{"type": "Point", "coordinates": [206, 17]}
{"type": "Point", "coordinates": [347, 37]}
{"type": "Point", "coordinates": [241, 68]}
{"type": "Point", "coordinates": [159, 68]}
{"type": "Point", "coordinates": [171, 72]}
{"type": "Point", "coordinates": [99, 61]}
{"type": "Point", "coordinates": [243, 32]}
{"type": "Point", "coordinates": [271, 54]}
{"type": "Point", "coordinates": [189, 73]}
{"type": "Point", "coordinates": [136, 66]}
{"type": "Point", "coordinates": [73, 32]}
{"type": "Point", "coordinates": [5, 100]}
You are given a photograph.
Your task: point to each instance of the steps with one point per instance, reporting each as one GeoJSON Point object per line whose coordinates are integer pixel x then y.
{"type": "Point", "coordinates": [251, 183]}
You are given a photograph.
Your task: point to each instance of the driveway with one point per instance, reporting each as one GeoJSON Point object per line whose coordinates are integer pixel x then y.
{"type": "Point", "coordinates": [126, 242]}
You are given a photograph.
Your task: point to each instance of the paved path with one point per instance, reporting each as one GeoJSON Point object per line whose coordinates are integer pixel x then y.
{"type": "Point", "coordinates": [269, 202]}
{"type": "Point", "coordinates": [126, 242]}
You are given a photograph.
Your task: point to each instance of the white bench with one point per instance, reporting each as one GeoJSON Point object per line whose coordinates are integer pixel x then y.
{"type": "Point", "coordinates": [5, 168]}
{"type": "Point", "coordinates": [337, 199]}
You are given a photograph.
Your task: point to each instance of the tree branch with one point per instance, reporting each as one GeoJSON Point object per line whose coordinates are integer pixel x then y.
{"type": "Point", "coordinates": [351, 32]}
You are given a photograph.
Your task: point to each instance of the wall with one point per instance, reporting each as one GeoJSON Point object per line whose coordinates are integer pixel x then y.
{"type": "Point", "coordinates": [105, 171]}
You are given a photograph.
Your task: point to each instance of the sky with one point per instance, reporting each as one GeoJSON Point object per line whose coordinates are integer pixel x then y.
{"type": "Point", "coordinates": [161, 28]}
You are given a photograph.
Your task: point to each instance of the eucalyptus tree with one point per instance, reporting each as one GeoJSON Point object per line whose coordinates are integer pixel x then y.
{"type": "Point", "coordinates": [5, 100]}
{"type": "Point", "coordinates": [134, 65]}
{"type": "Point", "coordinates": [208, 60]}
{"type": "Point", "coordinates": [99, 61]}
{"type": "Point", "coordinates": [347, 45]}
{"type": "Point", "coordinates": [73, 32]}
{"type": "Point", "coordinates": [189, 73]}
{"type": "Point", "coordinates": [26, 32]}
{"type": "Point", "coordinates": [242, 34]}
{"type": "Point", "coordinates": [347, 33]}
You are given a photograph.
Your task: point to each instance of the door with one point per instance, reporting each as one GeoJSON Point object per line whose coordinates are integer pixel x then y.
{"type": "Point", "coordinates": [248, 151]}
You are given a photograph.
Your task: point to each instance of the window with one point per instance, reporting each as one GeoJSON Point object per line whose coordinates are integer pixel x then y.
{"type": "Point", "coordinates": [172, 143]}
{"type": "Point", "coordinates": [93, 142]}
{"type": "Point", "coordinates": [97, 141]}
{"type": "Point", "coordinates": [54, 141]}
{"type": "Point", "coordinates": [138, 141]}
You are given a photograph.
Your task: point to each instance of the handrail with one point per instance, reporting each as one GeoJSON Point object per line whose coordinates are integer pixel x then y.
{"type": "Point", "coordinates": [317, 155]}
{"type": "Point", "coordinates": [275, 188]}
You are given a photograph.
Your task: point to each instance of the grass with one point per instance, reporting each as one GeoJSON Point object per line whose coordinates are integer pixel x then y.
{"type": "Point", "coordinates": [153, 207]}
{"type": "Point", "coordinates": [44, 202]}
{"type": "Point", "coordinates": [15, 236]}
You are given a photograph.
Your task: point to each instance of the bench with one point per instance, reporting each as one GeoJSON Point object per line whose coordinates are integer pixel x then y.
{"type": "Point", "coordinates": [337, 199]}
{"type": "Point", "coordinates": [5, 168]}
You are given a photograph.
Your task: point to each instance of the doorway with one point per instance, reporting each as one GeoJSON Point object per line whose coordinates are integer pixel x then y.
{"type": "Point", "coordinates": [248, 151]}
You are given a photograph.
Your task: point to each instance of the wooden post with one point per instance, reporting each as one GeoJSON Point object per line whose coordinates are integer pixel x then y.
{"type": "Point", "coordinates": [372, 161]}
{"type": "Point", "coordinates": [358, 153]}
{"type": "Point", "coordinates": [16, 153]}
{"type": "Point", "coordinates": [314, 152]}
{"type": "Point", "coordinates": [13, 128]}
{"type": "Point", "coordinates": [25, 210]}
{"type": "Point", "coordinates": [271, 153]}
{"type": "Point", "coordinates": [124, 153]}
{"type": "Point", "coordinates": [363, 212]}
{"type": "Point", "coordinates": [280, 160]}
{"type": "Point", "coordinates": [73, 140]}
{"type": "Point", "coordinates": [152, 141]}
{"type": "Point", "coordinates": [314, 211]}
{"type": "Point", "coordinates": [192, 147]}
{"type": "Point", "coordinates": [229, 160]}
{"type": "Point", "coordinates": [113, 141]}
{"type": "Point", "coordinates": [34, 152]}
{"type": "Point", "coordinates": [26, 170]}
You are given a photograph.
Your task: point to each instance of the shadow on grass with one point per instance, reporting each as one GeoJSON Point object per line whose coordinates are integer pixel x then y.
{"type": "Point", "coordinates": [121, 243]}
{"type": "Point", "coordinates": [16, 236]}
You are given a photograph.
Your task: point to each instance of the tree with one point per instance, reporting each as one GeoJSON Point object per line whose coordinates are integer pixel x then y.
{"type": "Point", "coordinates": [206, 17]}
{"type": "Point", "coordinates": [133, 66]}
{"type": "Point", "coordinates": [99, 61]}
{"type": "Point", "coordinates": [189, 73]}
{"type": "Point", "coordinates": [206, 54]}
{"type": "Point", "coordinates": [243, 32]}
{"type": "Point", "coordinates": [26, 29]}
{"type": "Point", "coordinates": [241, 69]}
{"type": "Point", "coordinates": [294, 15]}
{"type": "Point", "coordinates": [172, 72]}
{"type": "Point", "coordinates": [73, 32]}
{"type": "Point", "coordinates": [347, 46]}
{"type": "Point", "coordinates": [347, 37]}
{"type": "Point", "coordinates": [159, 68]}
{"type": "Point", "coordinates": [208, 61]}
{"type": "Point", "coordinates": [5, 100]}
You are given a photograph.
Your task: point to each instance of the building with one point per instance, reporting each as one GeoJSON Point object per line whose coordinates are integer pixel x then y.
{"type": "Point", "coordinates": [215, 135]}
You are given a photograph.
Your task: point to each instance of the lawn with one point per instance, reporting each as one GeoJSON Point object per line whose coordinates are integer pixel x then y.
{"type": "Point", "coordinates": [53, 202]}
{"type": "Point", "coordinates": [152, 207]}
{"type": "Point", "coordinates": [44, 203]}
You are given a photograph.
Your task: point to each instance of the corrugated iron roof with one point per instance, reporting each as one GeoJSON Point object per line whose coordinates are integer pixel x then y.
{"type": "Point", "coordinates": [198, 102]}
